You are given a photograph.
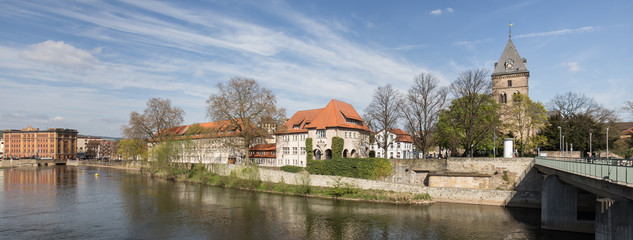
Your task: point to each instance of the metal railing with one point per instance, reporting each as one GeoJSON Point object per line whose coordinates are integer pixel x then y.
{"type": "Point", "coordinates": [614, 170]}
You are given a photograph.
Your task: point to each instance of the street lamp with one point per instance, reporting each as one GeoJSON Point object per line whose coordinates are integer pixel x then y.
{"type": "Point", "coordinates": [494, 145]}
{"type": "Point", "coordinates": [607, 143]}
{"type": "Point", "coordinates": [560, 141]}
{"type": "Point", "coordinates": [563, 144]}
{"type": "Point", "coordinates": [590, 152]}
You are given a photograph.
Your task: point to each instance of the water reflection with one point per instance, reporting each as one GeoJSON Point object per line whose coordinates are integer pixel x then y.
{"type": "Point", "coordinates": [70, 202]}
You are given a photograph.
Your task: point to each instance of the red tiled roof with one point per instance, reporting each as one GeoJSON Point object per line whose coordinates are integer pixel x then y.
{"type": "Point", "coordinates": [335, 114]}
{"type": "Point", "coordinates": [209, 129]}
{"type": "Point", "coordinates": [264, 147]}
{"type": "Point", "coordinates": [401, 136]}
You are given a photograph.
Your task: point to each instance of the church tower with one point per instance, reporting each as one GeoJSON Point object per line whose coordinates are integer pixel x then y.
{"type": "Point", "coordinates": [510, 75]}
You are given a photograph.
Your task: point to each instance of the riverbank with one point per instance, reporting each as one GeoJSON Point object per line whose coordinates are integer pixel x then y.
{"type": "Point", "coordinates": [359, 189]}
{"type": "Point", "coordinates": [248, 179]}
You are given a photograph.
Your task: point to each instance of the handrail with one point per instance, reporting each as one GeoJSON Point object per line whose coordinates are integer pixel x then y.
{"type": "Point", "coordinates": [614, 170]}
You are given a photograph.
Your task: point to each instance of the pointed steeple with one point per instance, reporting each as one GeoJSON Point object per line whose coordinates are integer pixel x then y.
{"type": "Point", "coordinates": [510, 61]}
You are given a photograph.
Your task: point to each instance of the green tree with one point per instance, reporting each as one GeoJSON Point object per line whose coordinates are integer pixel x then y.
{"type": "Point", "coordinates": [132, 149]}
{"type": "Point", "coordinates": [524, 118]}
{"type": "Point", "coordinates": [576, 128]}
{"type": "Point", "coordinates": [472, 117]}
{"type": "Point", "coordinates": [309, 153]}
{"type": "Point", "coordinates": [337, 147]}
{"type": "Point", "coordinates": [462, 126]}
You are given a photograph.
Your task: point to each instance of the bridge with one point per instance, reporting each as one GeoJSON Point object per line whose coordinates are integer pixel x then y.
{"type": "Point", "coordinates": [587, 195]}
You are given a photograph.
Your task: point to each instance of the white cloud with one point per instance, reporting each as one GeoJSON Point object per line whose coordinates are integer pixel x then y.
{"type": "Point", "coordinates": [450, 10]}
{"type": "Point", "coordinates": [572, 66]}
{"type": "Point", "coordinates": [436, 12]}
{"type": "Point", "coordinates": [556, 32]}
{"type": "Point", "coordinates": [60, 54]}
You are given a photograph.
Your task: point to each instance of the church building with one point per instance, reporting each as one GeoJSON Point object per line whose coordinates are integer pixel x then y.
{"type": "Point", "coordinates": [510, 76]}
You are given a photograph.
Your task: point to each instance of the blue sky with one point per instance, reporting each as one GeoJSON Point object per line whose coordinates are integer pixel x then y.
{"type": "Point", "coordinates": [87, 64]}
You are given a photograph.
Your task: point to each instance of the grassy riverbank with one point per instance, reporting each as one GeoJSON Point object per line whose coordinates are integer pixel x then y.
{"type": "Point", "coordinates": [248, 179]}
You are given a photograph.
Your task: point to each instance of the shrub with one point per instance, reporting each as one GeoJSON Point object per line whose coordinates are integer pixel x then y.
{"type": "Point", "coordinates": [292, 169]}
{"type": "Point", "coordinates": [304, 184]}
{"type": "Point", "coordinates": [309, 149]}
{"type": "Point", "coordinates": [340, 188]}
{"type": "Point", "coordinates": [367, 168]}
{"type": "Point", "coordinates": [505, 176]}
{"type": "Point", "coordinates": [337, 147]}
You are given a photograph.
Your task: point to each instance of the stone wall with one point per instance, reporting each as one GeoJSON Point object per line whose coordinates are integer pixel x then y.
{"type": "Point", "coordinates": [460, 182]}
{"type": "Point", "coordinates": [439, 194]}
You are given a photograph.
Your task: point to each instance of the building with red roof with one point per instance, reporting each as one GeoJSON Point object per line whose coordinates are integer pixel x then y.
{"type": "Point", "coordinates": [399, 144]}
{"type": "Point", "coordinates": [211, 142]}
{"type": "Point", "coordinates": [337, 119]}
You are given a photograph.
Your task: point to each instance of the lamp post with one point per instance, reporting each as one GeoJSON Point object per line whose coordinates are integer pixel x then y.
{"type": "Point", "coordinates": [560, 141]}
{"type": "Point", "coordinates": [571, 150]}
{"type": "Point", "coordinates": [494, 145]}
{"type": "Point", "coordinates": [607, 143]}
{"type": "Point", "coordinates": [563, 144]}
{"type": "Point", "coordinates": [590, 152]}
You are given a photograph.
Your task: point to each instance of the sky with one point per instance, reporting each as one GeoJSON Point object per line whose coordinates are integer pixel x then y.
{"type": "Point", "coordinates": [86, 65]}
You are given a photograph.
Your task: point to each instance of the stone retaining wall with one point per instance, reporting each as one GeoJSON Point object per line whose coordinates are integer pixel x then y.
{"type": "Point", "coordinates": [439, 194]}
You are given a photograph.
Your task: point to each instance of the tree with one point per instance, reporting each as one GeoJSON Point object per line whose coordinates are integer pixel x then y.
{"type": "Point", "coordinates": [421, 109]}
{"type": "Point", "coordinates": [132, 149]}
{"type": "Point", "coordinates": [571, 103]}
{"type": "Point", "coordinates": [248, 107]}
{"type": "Point", "coordinates": [524, 118]}
{"type": "Point", "coordinates": [628, 107]}
{"type": "Point", "coordinates": [575, 130]}
{"type": "Point", "coordinates": [384, 112]}
{"type": "Point", "coordinates": [158, 116]}
{"type": "Point", "coordinates": [472, 117]}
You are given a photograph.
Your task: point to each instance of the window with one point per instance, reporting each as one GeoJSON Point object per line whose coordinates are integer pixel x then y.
{"type": "Point", "coordinates": [286, 150]}
{"type": "Point", "coordinates": [509, 83]}
{"type": "Point", "coordinates": [294, 150]}
{"type": "Point", "coordinates": [320, 133]}
{"type": "Point", "coordinates": [303, 150]}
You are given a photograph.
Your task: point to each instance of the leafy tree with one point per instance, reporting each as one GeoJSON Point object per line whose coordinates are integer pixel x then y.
{"type": "Point", "coordinates": [472, 117]}
{"type": "Point", "coordinates": [132, 149]}
{"type": "Point", "coordinates": [158, 116]}
{"type": "Point", "coordinates": [469, 128]}
{"type": "Point", "coordinates": [249, 108]}
{"type": "Point", "coordinates": [576, 129]}
{"type": "Point", "coordinates": [421, 109]}
{"type": "Point", "coordinates": [384, 112]}
{"type": "Point", "coordinates": [524, 118]}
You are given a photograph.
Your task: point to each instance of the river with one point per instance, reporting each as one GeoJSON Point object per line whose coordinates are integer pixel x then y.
{"type": "Point", "coordinates": [70, 202]}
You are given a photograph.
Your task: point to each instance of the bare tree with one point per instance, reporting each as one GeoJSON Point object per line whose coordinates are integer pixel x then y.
{"type": "Point", "coordinates": [158, 116]}
{"type": "Point", "coordinates": [384, 112]}
{"type": "Point", "coordinates": [571, 103]}
{"type": "Point", "coordinates": [248, 107]}
{"type": "Point", "coordinates": [628, 107]}
{"type": "Point", "coordinates": [421, 109]}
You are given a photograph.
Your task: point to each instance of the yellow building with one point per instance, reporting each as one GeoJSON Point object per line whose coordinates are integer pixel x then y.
{"type": "Point", "coordinates": [54, 143]}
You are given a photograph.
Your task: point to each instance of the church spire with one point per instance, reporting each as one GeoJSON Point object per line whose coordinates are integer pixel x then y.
{"type": "Point", "coordinates": [510, 61]}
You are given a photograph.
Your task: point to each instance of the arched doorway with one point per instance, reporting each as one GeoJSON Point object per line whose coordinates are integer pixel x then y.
{"type": "Point", "coordinates": [345, 153]}
{"type": "Point", "coordinates": [353, 153]}
{"type": "Point", "coordinates": [317, 154]}
{"type": "Point", "coordinates": [328, 154]}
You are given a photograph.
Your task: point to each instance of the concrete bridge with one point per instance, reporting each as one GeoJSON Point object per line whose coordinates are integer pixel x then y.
{"type": "Point", "coordinates": [587, 195]}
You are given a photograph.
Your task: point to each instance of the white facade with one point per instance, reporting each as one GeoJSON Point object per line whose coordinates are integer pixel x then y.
{"type": "Point", "coordinates": [291, 147]}
{"type": "Point", "coordinates": [398, 148]}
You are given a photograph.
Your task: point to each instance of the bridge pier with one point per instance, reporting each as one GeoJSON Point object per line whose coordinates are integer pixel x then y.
{"type": "Point", "coordinates": [614, 219]}
{"type": "Point", "coordinates": [559, 207]}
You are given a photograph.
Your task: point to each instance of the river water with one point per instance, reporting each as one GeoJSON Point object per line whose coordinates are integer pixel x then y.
{"type": "Point", "coordinates": [70, 202]}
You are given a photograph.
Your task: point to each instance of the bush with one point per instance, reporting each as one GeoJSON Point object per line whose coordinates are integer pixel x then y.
{"type": "Point", "coordinates": [340, 188]}
{"type": "Point", "coordinates": [309, 149]}
{"type": "Point", "coordinates": [372, 154]}
{"type": "Point", "coordinates": [337, 147]}
{"type": "Point", "coordinates": [292, 169]}
{"type": "Point", "coordinates": [367, 168]}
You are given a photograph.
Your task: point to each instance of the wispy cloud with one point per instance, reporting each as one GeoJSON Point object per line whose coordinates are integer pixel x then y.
{"type": "Point", "coordinates": [556, 32]}
{"type": "Point", "coordinates": [572, 66]}
{"type": "Point", "coordinates": [439, 11]}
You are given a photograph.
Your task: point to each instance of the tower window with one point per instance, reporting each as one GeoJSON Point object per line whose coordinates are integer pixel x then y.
{"type": "Point", "coordinates": [509, 83]}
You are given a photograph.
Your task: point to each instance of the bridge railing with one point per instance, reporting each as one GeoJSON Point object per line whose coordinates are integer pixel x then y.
{"type": "Point", "coordinates": [615, 170]}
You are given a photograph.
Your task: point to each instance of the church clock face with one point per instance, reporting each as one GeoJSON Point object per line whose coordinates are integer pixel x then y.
{"type": "Point", "coordinates": [509, 63]}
